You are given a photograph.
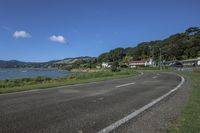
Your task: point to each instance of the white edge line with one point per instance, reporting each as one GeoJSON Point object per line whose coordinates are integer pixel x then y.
{"type": "Point", "coordinates": [95, 82]}
{"type": "Point", "coordinates": [125, 85]}
{"type": "Point", "coordinates": [137, 112]}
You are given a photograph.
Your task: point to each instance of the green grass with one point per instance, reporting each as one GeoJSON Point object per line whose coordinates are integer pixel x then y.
{"type": "Point", "coordinates": [8, 86]}
{"type": "Point", "coordinates": [189, 121]}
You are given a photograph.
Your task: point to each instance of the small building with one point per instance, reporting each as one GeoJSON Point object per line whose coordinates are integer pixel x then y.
{"type": "Point", "coordinates": [106, 64]}
{"type": "Point", "coordinates": [134, 63]}
{"type": "Point", "coordinates": [98, 66]}
{"type": "Point", "coordinates": [191, 62]}
{"type": "Point", "coordinates": [185, 63]}
{"type": "Point", "coordinates": [149, 62]}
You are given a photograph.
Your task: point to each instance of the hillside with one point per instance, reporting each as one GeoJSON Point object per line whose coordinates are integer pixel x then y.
{"type": "Point", "coordinates": [11, 63]}
{"type": "Point", "coordinates": [73, 60]}
{"type": "Point", "coordinates": [179, 46]}
{"type": "Point", "coordinates": [53, 63]}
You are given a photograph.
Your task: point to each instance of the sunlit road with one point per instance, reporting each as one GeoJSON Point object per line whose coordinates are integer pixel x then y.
{"type": "Point", "coordinates": [84, 108]}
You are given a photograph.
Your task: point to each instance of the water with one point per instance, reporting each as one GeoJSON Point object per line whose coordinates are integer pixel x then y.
{"type": "Point", "coordinates": [14, 73]}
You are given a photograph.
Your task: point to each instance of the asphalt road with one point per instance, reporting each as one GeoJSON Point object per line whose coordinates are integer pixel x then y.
{"type": "Point", "coordinates": [86, 108]}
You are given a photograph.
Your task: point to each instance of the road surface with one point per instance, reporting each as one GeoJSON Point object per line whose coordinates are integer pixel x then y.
{"type": "Point", "coordinates": [86, 108]}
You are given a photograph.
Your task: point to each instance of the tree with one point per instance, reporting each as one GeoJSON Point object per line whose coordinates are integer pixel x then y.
{"type": "Point", "coordinates": [115, 66]}
{"type": "Point", "coordinates": [117, 54]}
{"type": "Point", "coordinates": [198, 53]}
{"type": "Point", "coordinates": [192, 30]}
{"type": "Point", "coordinates": [103, 57]}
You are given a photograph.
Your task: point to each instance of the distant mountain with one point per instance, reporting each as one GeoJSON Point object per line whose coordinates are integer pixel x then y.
{"type": "Point", "coordinates": [53, 63]}
{"type": "Point", "coordinates": [73, 60]}
{"type": "Point", "coordinates": [11, 64]}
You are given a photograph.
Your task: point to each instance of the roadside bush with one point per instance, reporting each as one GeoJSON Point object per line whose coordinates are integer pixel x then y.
{"type": "Point", "coordinates": [24, 81]}
{"type": "Point", "coordinates": [197, 69]}
{"type": "Point", "coordinates": [41, 79]}
{"type": "Point", "coordinates": [72, 77]}
{"type": "Point", "coordinates": [114, 67]}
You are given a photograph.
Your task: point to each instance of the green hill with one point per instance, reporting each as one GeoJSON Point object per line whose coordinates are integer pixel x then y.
{"type": "Point", "coordinates": [53, 63]}
{"type": "Point", "coordinates": [179, 46]}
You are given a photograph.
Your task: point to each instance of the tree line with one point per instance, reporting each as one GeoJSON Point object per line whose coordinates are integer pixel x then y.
{"type": "Point", "coordinates": [180, 46]}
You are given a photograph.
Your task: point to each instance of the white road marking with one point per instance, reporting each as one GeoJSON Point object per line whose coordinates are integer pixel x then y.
{"type": "Point", "coordinates": [79, 131]}
{"type": "Point", "coordinates": [101, 98]}
{"type": "Point", "coordinates": [154, 77]}
{"type": "Point", "coordinates": [137, 112]}
{"type": "Point", "coordinates": [125, 85]}
{"type": "Point", "coordinates": [158, 74]}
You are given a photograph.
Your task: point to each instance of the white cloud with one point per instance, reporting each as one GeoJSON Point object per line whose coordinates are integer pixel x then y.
{"type": "Point", "coordinates": [59, 38]}
{"type": "Point", "coordinates": [21, 34]}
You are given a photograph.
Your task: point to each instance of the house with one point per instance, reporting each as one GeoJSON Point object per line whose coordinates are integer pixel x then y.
{"type": "Point", "coordinates": [134, 63]}
{"type": "Point", "coordinates": [98, 66]}
{"type": "Point", "coordinates": [186, 63]}
{"type": "Point", "coordinates": [149, 62]}
{"type": "Point", "coordinates": [106, 64]}
{"type": "Point", "coordinates": [191, 62]}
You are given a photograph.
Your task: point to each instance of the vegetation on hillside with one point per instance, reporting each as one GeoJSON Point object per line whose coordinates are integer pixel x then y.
{"type": "Point", "coordinates": [177, 47]}
{"type": "Point", "coordinates": [180, 46]}
{"type": "Point", "coordinates": [50, 64]}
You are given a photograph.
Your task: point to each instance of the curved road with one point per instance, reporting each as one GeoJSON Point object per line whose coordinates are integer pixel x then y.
{"type": "Point", "coordinates": [85, 108]}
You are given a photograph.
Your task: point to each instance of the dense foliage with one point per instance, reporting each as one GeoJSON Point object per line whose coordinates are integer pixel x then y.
{"type": "Point", "coordinates": [180, 46]}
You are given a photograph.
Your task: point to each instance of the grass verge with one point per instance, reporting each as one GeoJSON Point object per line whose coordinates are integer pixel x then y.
{"type": "Point", "coordinates": [8, 86]}
{"type": "Point", "coordinates": [189, 121]}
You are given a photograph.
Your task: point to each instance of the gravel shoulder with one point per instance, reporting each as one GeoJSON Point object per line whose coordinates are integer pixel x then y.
{"type": "Point", "coordinates": [162, 117]}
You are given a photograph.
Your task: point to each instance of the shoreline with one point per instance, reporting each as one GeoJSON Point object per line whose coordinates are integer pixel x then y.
{"type": "Point", "coordinates": [20, 73]}
{"type": "Point", "coordinates": [8, 86]}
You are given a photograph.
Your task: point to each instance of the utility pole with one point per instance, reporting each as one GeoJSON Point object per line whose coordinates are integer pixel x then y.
{"type": "Point", "coordinates": [153, 57]}
{"type": "Point", "coordinates": [160, 55]}
{"type": "Point", "coordinates": [160, 58]}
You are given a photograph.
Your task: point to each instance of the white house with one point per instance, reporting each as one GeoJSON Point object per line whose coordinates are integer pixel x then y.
{"type": "Point", "coordinates": [134, 63]}
{"type": "Point", "coordinates": [137, 63]}
{"type": "Point", "coordinates": [198, 62]}
{"type": "Point", "coordinates": [149, 62]}
{"type": "Point", "coordinates": [106, 65]}
{"type": "Point", "coordinates": [191, 62]}
{"type": "Point", "coordinates": [186, 63]}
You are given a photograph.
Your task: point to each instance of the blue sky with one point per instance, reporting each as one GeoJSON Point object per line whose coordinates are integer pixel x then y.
{"type": "Point", "coordinates": [42, 30]}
